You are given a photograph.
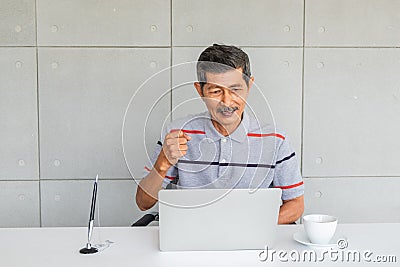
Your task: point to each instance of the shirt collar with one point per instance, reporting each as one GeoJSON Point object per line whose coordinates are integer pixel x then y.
{"type": "Point", "coordinates": [239, 135]}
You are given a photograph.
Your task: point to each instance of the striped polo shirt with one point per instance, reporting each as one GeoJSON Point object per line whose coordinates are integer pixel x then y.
{"type": "Point", "coordinates": [253, 156]}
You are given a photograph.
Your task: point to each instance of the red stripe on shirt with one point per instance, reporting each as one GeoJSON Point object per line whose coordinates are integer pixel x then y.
{"type": "Point", "coordinates": [290, 186]}
{"type": "Point", "coordinates": [166, 176]}
{"type": "Point", "coordinates": [147, 169]}
{"type": "Point", "coordinates": [265, 135]}
{"type": "Point", "coordinates": [188, 131]}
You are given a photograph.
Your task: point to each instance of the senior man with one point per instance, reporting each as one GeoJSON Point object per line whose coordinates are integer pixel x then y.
{"type": "Point", "coordinates": [225, 147]}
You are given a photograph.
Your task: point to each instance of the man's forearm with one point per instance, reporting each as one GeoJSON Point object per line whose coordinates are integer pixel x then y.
{"type": "Point", "coordinates": [149, 186]}
{"type": "Point", "coordinates": [291, 210]}
{"type": "Point", "coordinates": [147, 191]}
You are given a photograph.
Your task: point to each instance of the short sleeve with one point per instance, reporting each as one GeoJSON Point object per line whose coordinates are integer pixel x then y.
{"type": "Point", "coordinates": [287, 172]}
{"type": "Point", "coordinates": [172, 173]}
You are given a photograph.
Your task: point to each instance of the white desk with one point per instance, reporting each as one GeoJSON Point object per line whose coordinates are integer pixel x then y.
{"type": "Point", "coordinates": [138, 246]}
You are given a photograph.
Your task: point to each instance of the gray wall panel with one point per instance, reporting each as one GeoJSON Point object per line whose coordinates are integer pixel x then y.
{"type": "Point", "coordinates": [18, 26]}
{"type": "Point", "coordinates": [83, 96]}
{"type": "Point", "coordinates": [255, 23]}
{"type": "Point", "coordinates": [185, 99]}
{"type": "Point", "coordinates": [351, 109]}
{"type": "Point", "coordinates": [67, 203]}
{"type": "Point", "coordinates": [19, 204]}
{"type": "Point", "coordinates": [352, 23]}
{"type": "Point", "coordinates": [104, 23]}
{"type": "Point", "coordinates": [18, 114]}
{"type": "Point", "coordinates": [363, 199]}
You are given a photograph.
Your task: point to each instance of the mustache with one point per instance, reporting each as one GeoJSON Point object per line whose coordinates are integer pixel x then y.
{"type": "Point", "coordinates": [227, 109]}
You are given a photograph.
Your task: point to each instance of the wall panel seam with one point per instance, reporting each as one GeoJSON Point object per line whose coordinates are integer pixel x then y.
{"type": "Point", "coordinates": [37, 114]}
{"type": "Point", "coordinates": [302, 90]}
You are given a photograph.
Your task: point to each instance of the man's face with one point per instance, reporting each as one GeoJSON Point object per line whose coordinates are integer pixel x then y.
{"type": "Point", "coordinates": [225, 96]}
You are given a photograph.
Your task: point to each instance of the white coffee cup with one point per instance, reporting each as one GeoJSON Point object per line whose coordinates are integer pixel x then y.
{"type": "Point", "coordinates": [320, 228]}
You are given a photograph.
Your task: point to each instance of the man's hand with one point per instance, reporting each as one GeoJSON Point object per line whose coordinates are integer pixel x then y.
{"type": "Point", "coordinates": [175, 147]}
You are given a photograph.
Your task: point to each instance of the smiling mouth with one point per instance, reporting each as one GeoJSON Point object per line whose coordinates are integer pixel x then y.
{"type": "Point", "coordinates": [227, 111]}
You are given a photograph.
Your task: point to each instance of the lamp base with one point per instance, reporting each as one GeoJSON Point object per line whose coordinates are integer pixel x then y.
{"type": "Point", "coordinates": [87, 250]}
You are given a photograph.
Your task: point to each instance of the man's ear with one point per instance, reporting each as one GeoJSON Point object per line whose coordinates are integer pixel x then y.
{"type": "Point", "coordinates": [199, 89]}
{"type": "Point", "coordinates": [251, 81]}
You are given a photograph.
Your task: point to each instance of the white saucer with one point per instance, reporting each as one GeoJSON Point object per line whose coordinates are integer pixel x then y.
{"type": "Point", "coordinates": [302, 238]}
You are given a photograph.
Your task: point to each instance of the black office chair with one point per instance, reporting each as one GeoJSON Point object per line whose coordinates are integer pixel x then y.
{"type": "Point", "coordinates": [146, 219]}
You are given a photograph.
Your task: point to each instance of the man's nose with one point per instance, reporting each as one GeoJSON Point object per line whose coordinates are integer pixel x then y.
{"type": "Point", "coordinates": [227, 97]}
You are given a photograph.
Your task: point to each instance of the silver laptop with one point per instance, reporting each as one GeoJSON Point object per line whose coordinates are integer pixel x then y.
{"type": "Point", "coordinates": [218, 219]}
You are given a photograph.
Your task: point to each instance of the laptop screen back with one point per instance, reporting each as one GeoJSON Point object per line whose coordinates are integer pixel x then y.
{"type": "Point", "coordinates": [218, 219]}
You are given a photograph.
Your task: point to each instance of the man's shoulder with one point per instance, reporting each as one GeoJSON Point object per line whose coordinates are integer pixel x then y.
{"type": "Point", "coordinates": [265, 128]}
